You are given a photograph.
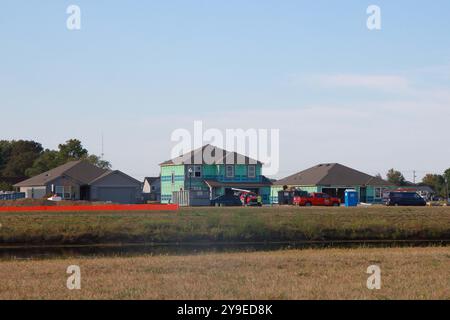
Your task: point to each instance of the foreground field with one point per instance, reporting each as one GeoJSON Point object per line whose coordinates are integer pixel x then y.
{"type": "Point", "coordinates": [406, 273]}
{"type": "Point", "coordinates": [227, 225]}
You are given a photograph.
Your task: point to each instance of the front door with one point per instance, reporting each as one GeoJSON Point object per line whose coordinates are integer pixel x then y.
{"type": "Point", "coordinates": [363, 194]}
{"type": "Point", "coordinates": [85, 193]}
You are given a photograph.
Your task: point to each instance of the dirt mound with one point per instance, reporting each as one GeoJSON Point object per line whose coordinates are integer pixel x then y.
{"type": "Point", "coordinates": [45, 202]}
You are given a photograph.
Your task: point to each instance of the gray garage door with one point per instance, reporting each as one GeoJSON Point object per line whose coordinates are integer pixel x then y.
{"type": "Point", "coordinates": [117, 195]}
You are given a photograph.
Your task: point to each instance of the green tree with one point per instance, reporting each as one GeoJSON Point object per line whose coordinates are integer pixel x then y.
{"type": "Point", "coordinates": [396, 177]}
{"type": "Point", "coordinates": [5, 186]}
{"type": "Point", "coordinates": [435, 181]}
{"type": "Point", "coordinates": [48, 160]}
{"type": "Point", "coordinates": [447, 175]}
{"type": "Point", "coordinates": [95, 160]}
{"type": "Point", "coordinates": [69, 151]}
{"type": "Point", "coordinates": [447, 182]}
{"type": "Point", "coordinates": [72, 150]}
{"type": "Point", "coordinates": [5, 154]}
{"type": "Point", "coordinates": [21, 156]}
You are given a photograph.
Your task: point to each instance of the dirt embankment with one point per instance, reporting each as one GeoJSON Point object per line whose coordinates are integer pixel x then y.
{"type": "Point", "coordinates": [45, 202]}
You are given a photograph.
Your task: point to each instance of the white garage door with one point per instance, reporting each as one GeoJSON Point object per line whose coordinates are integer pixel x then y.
{"type": "Point", "coordinates": [117, 194]}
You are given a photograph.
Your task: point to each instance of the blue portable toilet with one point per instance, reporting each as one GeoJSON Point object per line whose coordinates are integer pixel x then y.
{"type": "Point", "coordinates": [351, 198]}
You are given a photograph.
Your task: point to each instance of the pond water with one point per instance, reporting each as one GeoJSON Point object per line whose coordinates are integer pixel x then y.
{"type": "Point", "coordinates": [51, 252]}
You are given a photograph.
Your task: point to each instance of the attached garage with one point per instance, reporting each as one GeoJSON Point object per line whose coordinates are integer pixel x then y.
{"type": "Point", "coordinates": [81, 180]}
{"type": "Point", "coordinates": [116, 187]}
{"type": "Point", "coordinates": [117, 194]}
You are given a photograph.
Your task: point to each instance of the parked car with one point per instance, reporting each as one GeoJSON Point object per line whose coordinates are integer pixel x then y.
{"type": "Point", "coordinates": [227, 200]}
{"type": "Point", "coordinates": [286, 197]}
{"type": "Point", "coordinates": [317, 199]}
{"type": "Point", "coordinates": [249, 198]}
{"type": "Point", "coordinates": [405, 199]}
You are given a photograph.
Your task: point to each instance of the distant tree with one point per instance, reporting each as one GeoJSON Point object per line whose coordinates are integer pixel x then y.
{"type": "Point", "coordinates": [5, 153]}
{"type": "Point", "coordinates": [69, 151]}
{"type": "Point", "coordinates": [435, 181]}
{"type": "Point", "coordinates": [95, 160]}
{"type": "Point", "coordinates": [27, 158]}
{"type": "Point", "coordinates": [21, 156]}
{"type": "Point", "coordinates": [48, 160]}
{"type": "Point", "coordinates": [447, 174]}
{"type": "Point", "coordinates": [5, 186]}
{"type": "Point", "coordinates": [396, 177]}
{"type": "Point", "coordinates": [447, 182]}
{"type": "Point", "coordinates": [72, 150]}
{"type": "Point", "coordinates": [378, 175]}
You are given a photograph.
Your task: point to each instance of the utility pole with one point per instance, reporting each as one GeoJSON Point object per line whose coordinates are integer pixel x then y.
{"type": "Point", "coordinates": [101, 156]}
{"type": "Point", "coordinates": [414, 176]}
{"type": "Point", "coordinates": [446, 190]}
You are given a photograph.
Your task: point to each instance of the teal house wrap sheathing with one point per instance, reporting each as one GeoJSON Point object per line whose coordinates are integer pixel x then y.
{"type": "Point", "coordinates": [213, 172]}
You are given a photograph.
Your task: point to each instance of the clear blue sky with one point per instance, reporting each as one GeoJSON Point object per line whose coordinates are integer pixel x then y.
{"type": "Point", "coordinates": [137, 70]}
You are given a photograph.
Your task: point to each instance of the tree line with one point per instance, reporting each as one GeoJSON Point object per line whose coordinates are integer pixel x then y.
{"type": "Point", "coordinates": [438, 182]}
{"type": "Point", "coordinates": [21, 159]}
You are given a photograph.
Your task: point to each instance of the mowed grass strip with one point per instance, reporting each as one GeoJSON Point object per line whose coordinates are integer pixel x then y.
{"type": "Point", "coordinates": [227, 225]}
{"type": "Point", "coordinates": [406, 273]}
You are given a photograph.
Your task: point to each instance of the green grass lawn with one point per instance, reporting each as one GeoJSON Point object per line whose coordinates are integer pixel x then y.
{"type": "Point", "coordinates": [227, 225]}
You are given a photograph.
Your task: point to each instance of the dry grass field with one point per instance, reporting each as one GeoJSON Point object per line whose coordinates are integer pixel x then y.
{"type": "Point", "coordinates": [226, 225]}
{"type": "Point", "coordinates": [407, 273]}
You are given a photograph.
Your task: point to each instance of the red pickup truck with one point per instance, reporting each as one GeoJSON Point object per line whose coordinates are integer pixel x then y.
{"type": "Point", "coordinates": [317, 199]}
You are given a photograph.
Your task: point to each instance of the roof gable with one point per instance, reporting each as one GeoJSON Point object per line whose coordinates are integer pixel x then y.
{"type": "Point", "coordinates": [110, 173]}
{"type": "Point", "coordinates": [85, 172]}
{"type": "Point", "coordinates": [331, 174]}
{"type": "Point", "coordinates": [217, 155]}
{"type": "Point", "coordinates": [48, 176]}
{"type": "Point", "coordinates": [150, 180]}
{"type": "Point", "coordinates": [81, 170]}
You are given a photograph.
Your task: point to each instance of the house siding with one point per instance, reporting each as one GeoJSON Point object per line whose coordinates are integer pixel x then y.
{"type": "Point", "coordinates": [209, 172]}
{"type": "Point", "coordinates": [167, 187]}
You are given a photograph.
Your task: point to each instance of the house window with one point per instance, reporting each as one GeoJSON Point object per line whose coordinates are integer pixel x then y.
{"type": "Point", "coordinates": [196, 171]}
{"type": "Point", "coordinates": [63, 192]}
{"type": "Point", "coordinates": [251, 171]}
{"type": "Point", "coordinates": [173, 177]}
{"type": "Point", "coordinates": [153, 188]}
{"type": "Point", "coordinates": [59, 191]}
{"type": "Point", "coordinates": [378, 193]}
{"type": "Point", "coordinates": [229, 171]}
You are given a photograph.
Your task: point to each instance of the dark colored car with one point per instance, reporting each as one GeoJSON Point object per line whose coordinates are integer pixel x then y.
{"type": "Point", "coordinates": [405, 199]}
{"type": "Point", "coordinates": [227, 200]}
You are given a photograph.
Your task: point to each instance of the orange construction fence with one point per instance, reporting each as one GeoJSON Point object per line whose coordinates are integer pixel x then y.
{"type": "Point", "coordinates": [108, 207]}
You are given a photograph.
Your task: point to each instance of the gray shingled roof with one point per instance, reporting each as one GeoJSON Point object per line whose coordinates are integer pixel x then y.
{"type": "Point", "coordinates": [151, 179]}
{"type": "Point", "coordinates": [223, 157]}
{"type": "Point", "coordinates": [109, 172]}
{"type": "Point", "coordinates": [81, 171]}
{"type": "Point", "coordinates": [331, 174]}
